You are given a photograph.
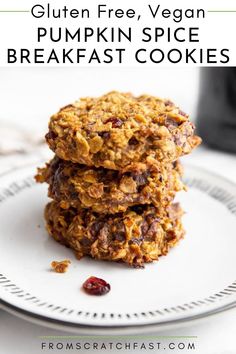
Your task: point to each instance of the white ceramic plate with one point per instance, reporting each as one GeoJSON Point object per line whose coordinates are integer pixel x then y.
{"type": "Point", "coordinates": [196, 279]}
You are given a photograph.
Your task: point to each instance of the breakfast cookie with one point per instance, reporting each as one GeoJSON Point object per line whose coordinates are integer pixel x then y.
{"type": "Point", "coordinates": [137, 236]}
{"type": "Point", "coordinates": [118, 130]}
{"type": "Point", "coordinates": [109, 191]}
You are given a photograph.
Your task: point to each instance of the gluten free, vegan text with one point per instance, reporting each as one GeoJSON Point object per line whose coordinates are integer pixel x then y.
{"type": "Point", "coordinates": [94, 44]}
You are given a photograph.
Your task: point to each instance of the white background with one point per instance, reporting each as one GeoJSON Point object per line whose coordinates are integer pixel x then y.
{"type": "Point", "coordinates": [29, 96]}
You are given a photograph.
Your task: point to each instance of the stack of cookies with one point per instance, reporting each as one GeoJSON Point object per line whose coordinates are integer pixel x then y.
{"type": "Point", "coordinates": [115, 175]}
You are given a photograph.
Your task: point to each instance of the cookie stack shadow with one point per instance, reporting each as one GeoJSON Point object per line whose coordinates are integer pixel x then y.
{"type": "Point", "coordinates": [115, 175]}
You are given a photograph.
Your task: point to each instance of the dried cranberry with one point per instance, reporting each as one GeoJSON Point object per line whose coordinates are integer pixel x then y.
{"type": "Point", "coordinates": [116, 122]}
{"type": "Point", "coordinates": [96, 286]}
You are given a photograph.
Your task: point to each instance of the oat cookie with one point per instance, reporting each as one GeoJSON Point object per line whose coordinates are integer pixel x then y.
{"type": "Point", "coordinates": [109, 191]}
{"type": "Point", "coordinates": [138, 236]}
{"type": "Point", "coordinates": [118, 130]}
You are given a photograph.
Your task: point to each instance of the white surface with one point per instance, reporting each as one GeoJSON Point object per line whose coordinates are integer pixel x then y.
{"type": "Point", "coordinates": [161, 286]}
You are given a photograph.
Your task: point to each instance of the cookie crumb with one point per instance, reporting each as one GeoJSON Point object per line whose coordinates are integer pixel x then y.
{"type": "Point", "coordinates": [60, 267]}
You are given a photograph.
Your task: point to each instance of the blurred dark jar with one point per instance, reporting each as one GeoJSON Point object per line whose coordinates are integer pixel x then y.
{"type": "Point", "coordinates": [216, 115]}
